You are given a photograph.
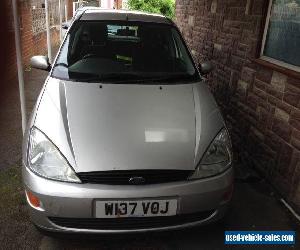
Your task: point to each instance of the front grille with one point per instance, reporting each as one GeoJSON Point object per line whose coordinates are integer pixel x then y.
{"type": "Point", "coordinates": [129, 223]}
{"type": "Point", "coordinates": [123, 177]}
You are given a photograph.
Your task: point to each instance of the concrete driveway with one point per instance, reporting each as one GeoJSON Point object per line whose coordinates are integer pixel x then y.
{"type": "Point", "coordinates": [254, 207]}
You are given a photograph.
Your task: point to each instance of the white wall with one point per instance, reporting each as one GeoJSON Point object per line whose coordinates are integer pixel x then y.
{"type": "Point", "coordinates": [107, 4]}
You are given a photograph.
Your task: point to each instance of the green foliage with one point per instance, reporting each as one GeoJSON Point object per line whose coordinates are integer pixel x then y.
{"type": "Point", "coordinates": [164, 7]}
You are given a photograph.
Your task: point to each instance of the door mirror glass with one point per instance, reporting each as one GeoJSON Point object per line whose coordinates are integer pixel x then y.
{"type": "Point", "coordinates": [206, 68]}
{"type": "Point", "coordinates": [40, 62]}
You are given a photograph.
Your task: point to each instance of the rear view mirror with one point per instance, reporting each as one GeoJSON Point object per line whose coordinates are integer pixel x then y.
{"type": "Point", "coordinates": [206, 68]}
{"type": "Point", "coordinates": [40, 62]}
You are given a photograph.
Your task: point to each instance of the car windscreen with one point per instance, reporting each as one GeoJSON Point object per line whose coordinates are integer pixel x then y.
{"type": "Point", "coordinates": [118, 51]}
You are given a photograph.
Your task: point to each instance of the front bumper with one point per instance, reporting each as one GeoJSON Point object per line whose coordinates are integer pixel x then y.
{"type": "Point", "coordinates": [71, 200]}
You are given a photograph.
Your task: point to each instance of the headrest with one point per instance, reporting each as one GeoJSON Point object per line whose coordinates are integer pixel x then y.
{"type": "Point", "coordinates": [98, 33]}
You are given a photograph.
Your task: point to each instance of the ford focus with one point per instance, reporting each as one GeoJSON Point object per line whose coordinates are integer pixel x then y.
{"type": "Point", "coordinates": [125, 135]}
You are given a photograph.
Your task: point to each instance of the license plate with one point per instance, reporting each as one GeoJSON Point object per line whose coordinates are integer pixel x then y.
{"type": "Point", "coordinates": [135, 208]}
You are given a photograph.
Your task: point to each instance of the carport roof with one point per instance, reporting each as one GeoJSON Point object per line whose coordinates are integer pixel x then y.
{"type": "Point", "coordinates": [123, 15]}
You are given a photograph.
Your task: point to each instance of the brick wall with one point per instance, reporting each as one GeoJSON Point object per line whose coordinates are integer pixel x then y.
{"type": "Point", "coordinates": [261, 106]}
{"type": "Point", "coordinates": [34, 44]}
{"type": "Point", "coordinates": [26, 32]}
{"type": "Point", "coordinates": [70, 8]}
{"type": "Point", "coordinates": [10, 73]}
{"type": "Point", "coordinates": [30, 44]}
{"type": "Point", "coordinates": [40, 42]}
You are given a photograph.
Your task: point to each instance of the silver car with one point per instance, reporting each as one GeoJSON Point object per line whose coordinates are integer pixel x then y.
{"type": "Point", "coordinates": [125, 135]}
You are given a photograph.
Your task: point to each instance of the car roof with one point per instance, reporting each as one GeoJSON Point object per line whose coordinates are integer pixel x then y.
{"type": "Point", "coordinates": [95, 14]}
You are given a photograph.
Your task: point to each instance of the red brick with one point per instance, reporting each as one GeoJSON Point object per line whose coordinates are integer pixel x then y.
{"type": "Point", "coordinates": [260, 85]}
{"type": "Point", "coordinates": [295, 139]}
{"type": "Point", "coordinates": [292, 95]}
{"type": "Point", "coordinates": [293, 81]}
{"type": "Point", "coordinates": [264, 75]}
{"type": "Point", "coordinates": [284, 159]}
{"type": "Point", "coordinates": [295, 114]}
{"type": "Point", "coordinates": [273, 100]}
{"type": "Point", "coordinates": [282, 129]}
{"type": "Point", "coordinates": [265, 120]}
{"type": "Point", "coordinates": [295, 119]}
{"type": "Point", "coordinates": [261, 94]}
{"type": "Point", "coordinates": [252, 101]}
{"type": "Point", "coordinates": [247, 75]}
{"type": "Point", "coordinates": [271, 91]}
{"type": "Point", "coordinates": [279, 104]}
{"type": "Point", "coordinates": [293, 170]}
{"type": "Point", "coordinates": [294, 123]}
{"type": "Point", "coordinates": [273, 141]}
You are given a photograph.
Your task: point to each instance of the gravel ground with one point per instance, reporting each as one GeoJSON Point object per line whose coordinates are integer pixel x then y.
{"type": "Point", "coordinates": [254, 207]}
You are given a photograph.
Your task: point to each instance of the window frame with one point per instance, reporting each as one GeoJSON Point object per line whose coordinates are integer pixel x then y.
{"type": "Point", "coordinates": [263, 43]}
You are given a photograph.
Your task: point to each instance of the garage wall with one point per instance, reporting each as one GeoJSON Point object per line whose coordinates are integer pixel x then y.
{"type": "Point", "coordinates": [261, 104]}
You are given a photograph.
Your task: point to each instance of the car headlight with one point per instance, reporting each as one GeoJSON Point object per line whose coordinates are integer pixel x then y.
{"type": "Point", "coordinates": [45, 159]}
{"type": "Point", "coordinates": [217, 158]}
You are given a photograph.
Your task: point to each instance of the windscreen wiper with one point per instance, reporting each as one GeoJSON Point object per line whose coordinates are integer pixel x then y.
{"type": "Point", "coordinates": [175, 77]}
{"type": "Point", "coordinates": [112, 77]}
{"type": "Point", "coordinates": [168, 78]}
{"type": "Point", "coordinates": [61, 65]}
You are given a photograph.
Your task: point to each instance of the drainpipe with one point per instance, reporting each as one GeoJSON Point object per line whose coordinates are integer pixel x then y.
{"type": "Point", "coordinates": [60, 19]}
{"type": "Point", "coordinates": [66, 12]}
{"type": "Point", "coordinates": [48, 32]}
{"type": "Point", "coordinates": [19, 64]}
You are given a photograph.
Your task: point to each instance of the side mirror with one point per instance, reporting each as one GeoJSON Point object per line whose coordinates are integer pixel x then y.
{"type": "Point", "coordinates": [206, 68]}
{"type": "Point", "coordinates": [65, 26]}
{"type": "Point", "coordinates": [40, 62]}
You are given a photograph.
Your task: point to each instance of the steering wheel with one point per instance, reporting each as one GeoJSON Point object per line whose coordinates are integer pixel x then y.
{"type": "Point", "coordinates": [89, 56]}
